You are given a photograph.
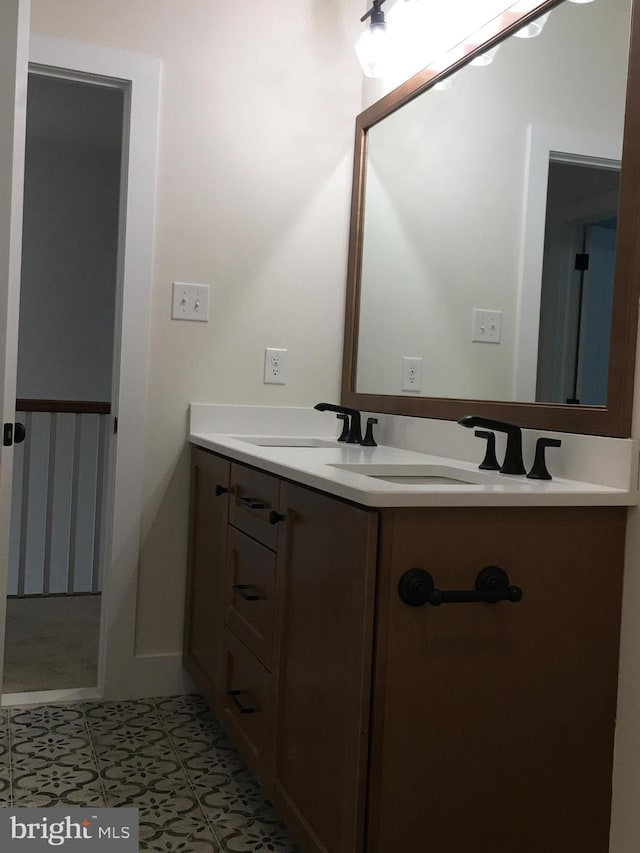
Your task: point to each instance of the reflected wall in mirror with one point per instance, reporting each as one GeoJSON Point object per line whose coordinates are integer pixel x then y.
{"type": "Point", "coordinates": [471, 203]}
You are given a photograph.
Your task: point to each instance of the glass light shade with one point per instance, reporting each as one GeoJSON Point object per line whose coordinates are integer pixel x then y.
{"type": "Point", "coordinates": [524, 6]}
{"type": "Point", "coordinates": [580, 1]}
{"type": "Point", "coordinates": [444, 85]}
{"type": "Point", "coordinates": [485, 58]}
{"type": "Point", "coordinates": [372, 50]}
{"type": "Point", "coordinates": [533, 29]}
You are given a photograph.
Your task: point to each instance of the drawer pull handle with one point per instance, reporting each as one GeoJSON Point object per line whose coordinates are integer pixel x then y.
{"type": "Point", "coordinates": [244, 709]}
{"type": "Point", "coordinates": [252, 503]}
{"type": "Point", "coordinates": [220, 490]}
{"type": "Point", "coordinates": [242, 589]}
{"type": "Point", "coordinates": [276, 517]}
{"type": "Point", "coordinates": [417, 588]}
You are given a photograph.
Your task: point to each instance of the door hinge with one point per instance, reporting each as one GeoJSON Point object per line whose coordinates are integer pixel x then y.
{"type": "Point", "coordinates": [582, 261]}
{"type": "Point", "coordinates": [7, 435]}
{"type": "Point", "coordinates": [115, 425]}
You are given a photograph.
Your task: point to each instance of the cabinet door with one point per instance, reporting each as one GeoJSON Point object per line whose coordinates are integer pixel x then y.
{"type": "Point", "coordinates": [494, 723]}
{"type": "Point", "coordinates": [325, 599]}
{"type": "Point", "coordinates": [209, 513]}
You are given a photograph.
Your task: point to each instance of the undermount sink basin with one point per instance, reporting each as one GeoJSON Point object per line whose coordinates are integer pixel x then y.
{"type": "Point", "coordinates": [293, 441]}
{"type": "Point", "coordinates": [421, 475]}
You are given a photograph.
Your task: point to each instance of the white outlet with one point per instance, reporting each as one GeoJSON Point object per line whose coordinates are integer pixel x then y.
{"type": "Point", "coordinates": [486, 326]}
{"type": "Point", "coordinates": [190, 302]}
{"type": "Point", "coordinates": [275, 366]}
{"type": "Point", "coordinates": [411, 373]}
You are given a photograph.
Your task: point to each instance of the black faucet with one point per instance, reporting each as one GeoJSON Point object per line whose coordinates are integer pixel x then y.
{"type": "Point", "coordinates": [355, 428]}
{"type": "Point", "coordinates": [513, 463]}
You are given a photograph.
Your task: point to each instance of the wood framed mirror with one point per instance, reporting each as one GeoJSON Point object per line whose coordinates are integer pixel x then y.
{"type": "Point", "coordinates": [454, 227]}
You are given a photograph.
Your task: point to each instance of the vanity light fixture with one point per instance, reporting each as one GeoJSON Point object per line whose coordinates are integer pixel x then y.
{"type": "Point", "coordinates": [534, 28]}
{"type": "Point", "coordinates": [485, 58]}
{"type": "Point", "coordinates": [444, 85]}
{"type": "Point", "coordinates": [372, 45]}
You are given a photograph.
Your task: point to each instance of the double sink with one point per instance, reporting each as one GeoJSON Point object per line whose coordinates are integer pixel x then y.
{"type": "Point", "coordinates": [404, 474]}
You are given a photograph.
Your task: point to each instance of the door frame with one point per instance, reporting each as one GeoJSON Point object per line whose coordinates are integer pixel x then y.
{"type": "Point", "coordinates": [14, 51]}
{"type": "Point", "coordinates": [139, 77]}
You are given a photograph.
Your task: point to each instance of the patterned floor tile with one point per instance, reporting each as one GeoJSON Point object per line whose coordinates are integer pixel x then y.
{"type": "Point", "coordinates": [62, 781]}
{"type": "Point", "coordinates": [233, 799]}
{"type": "Point", "coordinates": [189, 706]}
{"type": "Point", "coordinates": [76, 799]}
{"type": "Point", "coordinates": [162, 829]}
{"type": "Point", "coordinates": [5, 787]}
{"type": "Point", "coordinates": [46, 720]}
{"type": "Point", "coordinates": [133, 739]}
{"type": "Point", "coordinates": [56, 746]}
{"type": "Point", "coordinates": [168, 757]}
{"type": "Point", "coordinates": [51, 716]}
{"type": "Point", "coordinates": [259, 838]}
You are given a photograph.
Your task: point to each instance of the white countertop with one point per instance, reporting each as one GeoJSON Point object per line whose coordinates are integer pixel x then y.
{"type": "Point", "coordinates": [313, 466]}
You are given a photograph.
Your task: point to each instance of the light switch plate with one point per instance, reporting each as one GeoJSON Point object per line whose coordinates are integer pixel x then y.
{"type": "Point", "coordinates": [190, 302]}
{"type": "Point", "coordinates": [486, 326]}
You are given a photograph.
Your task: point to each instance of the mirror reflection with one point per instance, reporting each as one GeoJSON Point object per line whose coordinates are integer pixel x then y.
{"type": "Point", "coordinates": [482, 200]}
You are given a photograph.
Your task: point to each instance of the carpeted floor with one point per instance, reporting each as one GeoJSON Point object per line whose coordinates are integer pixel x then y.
{"type": "Point", "coordinates": [51, 643]}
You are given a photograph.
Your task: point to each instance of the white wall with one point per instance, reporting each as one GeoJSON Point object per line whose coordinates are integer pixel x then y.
{"type": "Point", "coordinates": [445, 196]}
{"type": "Point", "coordinates": [255, 151]}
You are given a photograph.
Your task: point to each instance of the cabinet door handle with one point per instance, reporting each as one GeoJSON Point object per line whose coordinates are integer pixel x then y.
{"type": "Point", "coordinates": [417, 588]}
{"type": "Point", "coordinates": [276, 517]}
{"type": "Point", "coordinates": [241, 589]}
{"type": "Point", "coordinates": [244, 709]}
{"type": "Point", "coordinates": [220, 490]}
{"type": "Point", "coordinates": [252, 503]}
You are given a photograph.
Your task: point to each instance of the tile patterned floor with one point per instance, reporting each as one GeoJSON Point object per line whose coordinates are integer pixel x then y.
{"type": "Point", "coordinates": [168, 757]}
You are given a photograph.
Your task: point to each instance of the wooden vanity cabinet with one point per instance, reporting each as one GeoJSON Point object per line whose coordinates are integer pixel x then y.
{"type": "Point", "coordinates": [322, 678]}
{"type": "Point", "coordinates": [493, 724]}
{"type": "Point", "coordinates": [376, 726]}
{"type": "Point", "coordinates": [208, 524]}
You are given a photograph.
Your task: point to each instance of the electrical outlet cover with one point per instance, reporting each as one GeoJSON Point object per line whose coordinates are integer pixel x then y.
{"type": "Point", "coordinates": [275, 366]}
{"type": "Point", "coordinates": [411, 373]}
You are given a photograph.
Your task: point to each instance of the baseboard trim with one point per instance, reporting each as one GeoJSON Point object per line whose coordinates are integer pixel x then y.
{"type": "Point", "coordinates": [48, 697]}
{"type": "Point", "coordinates": [160, 675]}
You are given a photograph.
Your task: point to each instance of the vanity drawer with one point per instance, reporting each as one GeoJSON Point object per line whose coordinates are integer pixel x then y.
{"type": "Point", "coordinates": [246, 702]}
{"type": "Point", "coordinates": [249, 593]}
{"type": "Point", "coordinates": [254, 495]}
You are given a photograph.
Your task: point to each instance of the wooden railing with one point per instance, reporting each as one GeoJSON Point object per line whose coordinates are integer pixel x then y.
{"type": "Point", "coordinates": [58, 497]}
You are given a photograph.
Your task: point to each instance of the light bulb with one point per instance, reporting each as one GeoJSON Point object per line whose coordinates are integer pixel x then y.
{"type": "Point", "coordinates": [532, 29]}
{"type": "Point", "coordinates": [485, 58]}
{"type": "Point", "coordinates": [372, 49]}
{"type": "Point", "coordinates": [444, 85]}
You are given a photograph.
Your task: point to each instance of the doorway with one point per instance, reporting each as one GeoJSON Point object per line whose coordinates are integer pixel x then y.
{"type": "Point", "coordinates": [577, 281]}
{"type": "Point", "coordinates": [121, 673]}
{"type": "Point", "coordinates": [73, 162]}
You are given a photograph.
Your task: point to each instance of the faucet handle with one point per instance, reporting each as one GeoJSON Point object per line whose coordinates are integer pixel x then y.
{"type": "Point", "coordinates": [345, 426]}
{"type": "Point", "coordinates": [369, 440]}
{"type": "Point", "coordinates": [490, 462]}
{"type": "Point", "coordinates": [539, 468]}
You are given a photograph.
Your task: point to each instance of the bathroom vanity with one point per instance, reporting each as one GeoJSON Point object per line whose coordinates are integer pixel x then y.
{"type": "Point", "coordinates": [379, 725]}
